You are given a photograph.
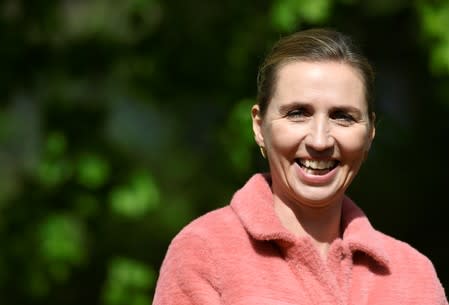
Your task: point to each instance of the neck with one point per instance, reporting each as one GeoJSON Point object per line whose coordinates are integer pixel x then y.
{"type": "Point", "coordinates": [321, 224]}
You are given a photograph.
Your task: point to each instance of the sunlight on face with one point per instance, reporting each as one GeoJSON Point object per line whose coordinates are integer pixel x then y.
{"type": "Point", "coordinates": [316, 131]}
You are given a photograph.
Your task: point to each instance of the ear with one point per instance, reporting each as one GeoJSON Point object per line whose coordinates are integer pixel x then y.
{"type": "Point", "coordinates": [257, 125]}
{"type": "Point", "coordinates": [372, 133]}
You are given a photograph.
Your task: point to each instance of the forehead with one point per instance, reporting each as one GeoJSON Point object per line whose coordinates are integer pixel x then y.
{"type": "Point", "coordinates": [332, 80]}
{"type": "Point", "coordinates": [327, 67]}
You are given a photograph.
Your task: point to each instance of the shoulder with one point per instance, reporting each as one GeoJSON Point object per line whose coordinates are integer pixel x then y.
{"type": "Point", "coordinates": [189, 273]}
{"type": "Point", "coordinates": [404, 254]}
{"type": "Point", "coordinates": [213, 221]}
{"type": "Point", "coordinates": [408, 262]}
{"type": "Point", "coordinates": [193, 244]}
{"type": "Point", "coordinates": [207, 229]}
{"type": "Point", "coordinates": [415, 270]}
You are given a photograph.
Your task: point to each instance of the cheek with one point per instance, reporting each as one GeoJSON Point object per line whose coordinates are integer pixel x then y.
{"type": "Point", "coordinates": [283, 138]}
{"type": "Point", "coordinates": [354, 144]}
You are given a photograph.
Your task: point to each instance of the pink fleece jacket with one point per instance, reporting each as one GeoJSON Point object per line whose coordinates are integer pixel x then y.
{"type": "Point", "coordinates": [242, 255]}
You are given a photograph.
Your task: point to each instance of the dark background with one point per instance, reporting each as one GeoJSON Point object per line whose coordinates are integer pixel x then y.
{"type": "Point", "coordinates": [121, 121]}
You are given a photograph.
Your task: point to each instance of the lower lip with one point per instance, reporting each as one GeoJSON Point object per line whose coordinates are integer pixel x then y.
{"type": "Point", "coordinates": [316, 179]}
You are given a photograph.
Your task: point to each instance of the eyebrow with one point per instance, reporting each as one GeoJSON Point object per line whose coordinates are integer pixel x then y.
{"type": "Point", "coordinates": [293, 105]}
{"type": "Point", "coordinates": [345, 108]}
{"type": "Point", "coordinates": [297, 104]}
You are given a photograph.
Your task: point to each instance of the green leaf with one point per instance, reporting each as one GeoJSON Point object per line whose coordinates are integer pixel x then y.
{"type": "Point", "coordinates": [56, 144]}
{"type": "Point", "coordinates": [62, 239]}
{"type": "Point", "coordinates": [128, 282]}
{"type": "Point", "coordinates": [238, 136]}
{"type": "Point", "coordinates": [284, 16]}
{"type": "Point", "coordinates": [52, 172]}
{"type": "Point", "coordinates": [440, 58]}
{"type": "Point", "coordinates": [435, 24]}
{"type": "Point", "coordinates": [93, 171]}
{"type": "Point", "coordinates": [316, 11]}
{"type": "Point", "coordinates": [136, 198]}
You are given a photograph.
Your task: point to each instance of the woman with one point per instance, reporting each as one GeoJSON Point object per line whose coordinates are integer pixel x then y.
{"type": "Point", "coordinates": [292, 236]}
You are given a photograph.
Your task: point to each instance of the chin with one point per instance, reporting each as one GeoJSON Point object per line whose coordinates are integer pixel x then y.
{"type": "Point", "coordinates": [317, 197]}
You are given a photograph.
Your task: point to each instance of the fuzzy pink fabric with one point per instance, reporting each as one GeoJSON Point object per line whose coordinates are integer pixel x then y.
{"type": "Point", "coordinates": [242, 255]}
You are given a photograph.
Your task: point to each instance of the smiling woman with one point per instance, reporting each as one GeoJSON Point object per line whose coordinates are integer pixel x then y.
{"type": "Point", "coordinates": [292, 236]}
{"type": "Point", "coordinates": [316, 131]}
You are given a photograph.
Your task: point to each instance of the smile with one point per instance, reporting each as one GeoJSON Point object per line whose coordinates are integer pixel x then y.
{"type": "Point", "coordinates": [317, 167]}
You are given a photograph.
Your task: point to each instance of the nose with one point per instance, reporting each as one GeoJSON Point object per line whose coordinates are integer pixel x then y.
{"type": "Point", "coordinates": [319, 137]}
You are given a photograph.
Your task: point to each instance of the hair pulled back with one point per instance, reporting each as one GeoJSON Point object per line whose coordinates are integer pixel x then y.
{"type": "Point", "coordinates": [313, 45]}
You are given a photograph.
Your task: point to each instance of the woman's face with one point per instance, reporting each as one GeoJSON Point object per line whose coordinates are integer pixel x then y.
{"type": "Point", "coordinates": [316, 131]}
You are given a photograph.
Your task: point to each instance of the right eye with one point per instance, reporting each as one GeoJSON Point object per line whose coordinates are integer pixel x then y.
{"type": "Point", "coordinates": [297, 113]}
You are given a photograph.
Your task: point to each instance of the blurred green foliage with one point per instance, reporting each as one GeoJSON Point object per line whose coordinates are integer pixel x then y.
{"type": "Point", "coordinates": [238, 136]}
{"type": "Point", "coordinates": [121, 121]}
{"type": "Point", "coordinates": [435, 22]}
{"type": "Point", "coordinates": [137, 198]}
{"type": "Point", "coordinates": [289, 14]}
{"type": "Point", "coordinates": [61, 245]}
{"type": "Point", "coordinates": [128, 283]}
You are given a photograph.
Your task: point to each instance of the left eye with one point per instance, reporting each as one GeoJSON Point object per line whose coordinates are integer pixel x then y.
{"type": "Point", "coordinates": [342, 116]}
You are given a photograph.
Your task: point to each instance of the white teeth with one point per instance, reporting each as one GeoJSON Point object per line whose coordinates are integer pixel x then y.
{"type": "Point", "coordinates": [318, 164]}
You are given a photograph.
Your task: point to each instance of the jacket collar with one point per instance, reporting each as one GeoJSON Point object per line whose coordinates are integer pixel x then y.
{"type": "Point", "coordinates": [253, 204]}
